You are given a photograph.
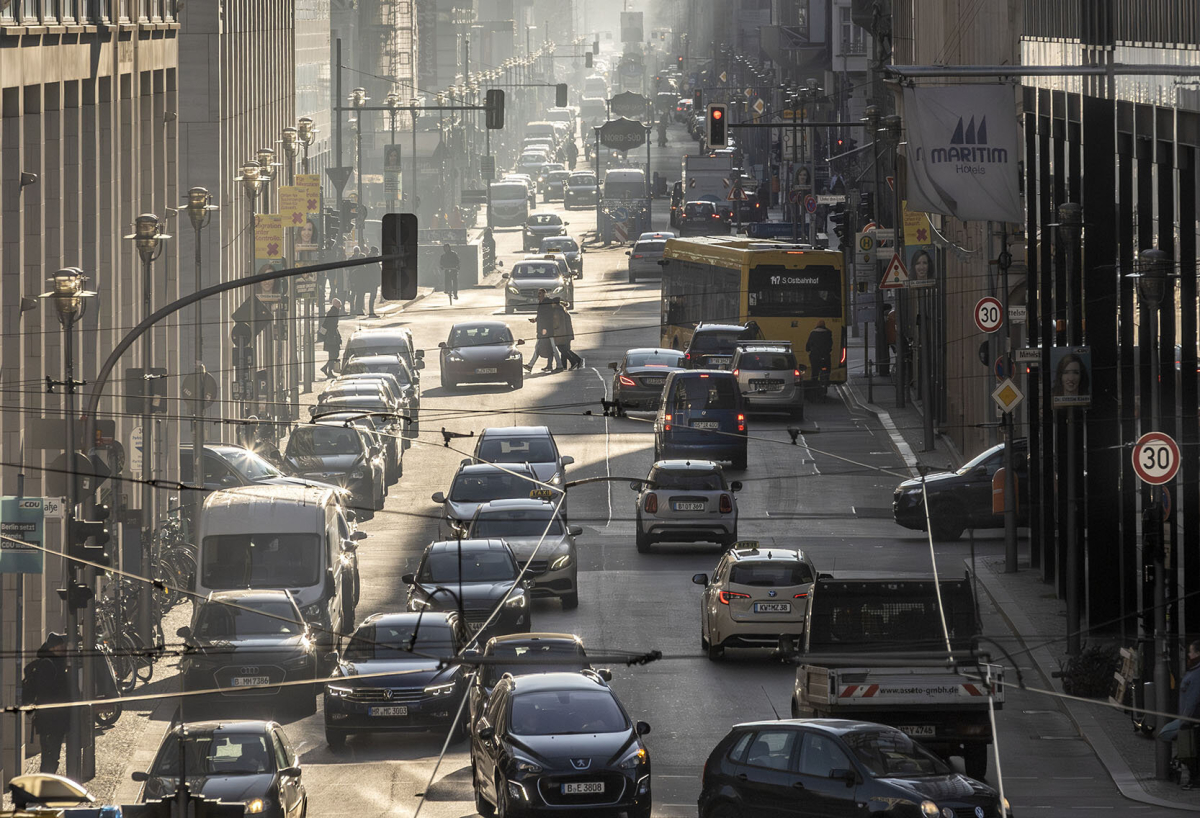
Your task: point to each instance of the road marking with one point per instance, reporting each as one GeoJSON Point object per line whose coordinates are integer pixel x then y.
{"type": "Point", "coordinates": [607, 460]}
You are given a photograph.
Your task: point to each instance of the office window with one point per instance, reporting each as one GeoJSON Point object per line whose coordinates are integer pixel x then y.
{"type": "Point", "coordinates": [853, 36]}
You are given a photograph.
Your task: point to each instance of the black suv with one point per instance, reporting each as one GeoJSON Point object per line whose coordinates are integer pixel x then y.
{"type": "Point", "coordinates": [806, 767]}
{"type": "Point", "coordinates": [558, 742]}
{"type": "Point", "coordinates": [712, 345]}
{"type": "Point", "coordinates": [963, 499]}
{"type": "Point", "coordinates": [477, 574]}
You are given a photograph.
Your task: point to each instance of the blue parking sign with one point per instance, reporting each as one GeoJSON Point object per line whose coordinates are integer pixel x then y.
{"type": "Point", "coordinates": [21, 521]}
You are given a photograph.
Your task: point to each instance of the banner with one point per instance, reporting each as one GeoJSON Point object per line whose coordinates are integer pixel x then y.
{"type": "Point", "coordinates": [920, 254]}
{"type": "Point", "coordinates": [391, 172]}
{"type": "Point", "coordinates": [21, 519]}
{"type": "Point", "coordinates": [311, 184]}
{"type": "Point", "coordinates": [962, 152]}
{"type": "Point", "coordinates": [292, 206]}
{"type": "Point", "coordinates": [268, 254]}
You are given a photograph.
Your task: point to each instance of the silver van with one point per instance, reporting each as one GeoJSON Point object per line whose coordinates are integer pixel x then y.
{"type": "Point", "coordinates": [508, 204]}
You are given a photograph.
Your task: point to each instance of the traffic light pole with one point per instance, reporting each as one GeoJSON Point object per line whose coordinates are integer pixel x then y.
{"type": "Point", "coordinates": [70, 571]}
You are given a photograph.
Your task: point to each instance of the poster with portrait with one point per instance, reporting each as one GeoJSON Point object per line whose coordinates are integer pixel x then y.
{"type": "Point", "coordinates": [921, 262]}
{"type": "Point", "coordinates": [308, 235]}
{"type": "Point", "coordinates": [1072, 373]}
{"type": "Point", "coordinates": [268, 254]}
{"type": "Point", "coordinates": [310, 183]}
{"type": "Point", "coordinates": [270, 292]}
{"type": "Point", "coordinates": [391, 172]}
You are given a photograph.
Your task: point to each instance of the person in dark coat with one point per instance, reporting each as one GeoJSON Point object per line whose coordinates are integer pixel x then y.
{"type": "Point", "coordinates": [46, 681]}
{"type": "Point", "coordinates": [820, 350]}
{"type": "Point", "coordinates": [331, 339]}
{"type": "Point", "coordinates": [545, 347]}
{"type": "Point", "coordinates": [1189, 708]}
{"type": "Point", "coordinates": [564, 334]}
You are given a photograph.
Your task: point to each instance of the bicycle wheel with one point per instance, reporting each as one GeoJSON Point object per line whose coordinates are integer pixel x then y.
{"type": "Point", "coordinates": [124, 667]}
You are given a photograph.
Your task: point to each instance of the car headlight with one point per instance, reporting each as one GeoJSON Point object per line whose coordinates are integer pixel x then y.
{"type": "Point", "coordinates": [312, 611]}
{"type": "Point", "coordinates": [514, 355]}
{"type": "Point", "coordinates": [524, 765]}
{"type": "Point", "coordinates": [337, 691]}
{"type": "Point", "coordinates": [517, 601]}
{"type": "Point", "coordinates": [557, 289]}
{"type": "Point", "coordinates": [633, 758]}
{"type": "Point", "coordinates": [357, 474]}
{"type": "Point", "coordinates": [441, 689]}
{"type": "Point", "coordinates": [514, 290]}
{"type": "Point", "coordinates": [256, 805]}
{"type": "Point", "coordinates": [454, 358]}
{"type": "Point", "coordinates": [557, 479]}
{"type": "Point", "coordinates": [561, 562]}
{"type": "Point", "coordinates": [929, 809]}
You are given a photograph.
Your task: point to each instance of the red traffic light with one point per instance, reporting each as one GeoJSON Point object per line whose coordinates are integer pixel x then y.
{"type": "Point", "coordinates": [717, 113]}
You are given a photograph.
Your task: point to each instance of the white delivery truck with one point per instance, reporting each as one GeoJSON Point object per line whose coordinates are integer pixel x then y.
{"type": "Point", "coordinates": [707, 179]}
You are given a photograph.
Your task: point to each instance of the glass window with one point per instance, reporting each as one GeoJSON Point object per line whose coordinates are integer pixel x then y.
{"type": "Point", "coordinates": [546, 269]}
{"type": "Point", "coordinates": [738, 751]}
{"type": "Point", "coordinates": [771, 749]}
{"type": "Point", "coordinates": [767, 360]}
{"type": "Point", "coordinates": [688, 480]}
{"type": "Point", "coordinates": [222, 754]}
{"type": "Point", "coordinates": [477, 566]}
{"type": "Point", "coordinates": [323, 441]}
{"type": "Point", "coordinates": [480, 487]}
{"type": "Point", "coordinates": [218, 621]}
{"type": "Point", "coordinates": [697, 394]}
{"type": "Point", "coordinates": [509, 191]}
{"type": "Point", "coordinates": [656, 359]}
{"type": "Point", "coordinates": [566, 712]}
{"type": "Point", "coordinates": [281, 756]}
{"type": "Point", "coordinates": [649, 247]}
{"type": "Point", "coordinates": [820, 755]}
{"type": "Point", "coordinates": [889, 752]}
{"type": "Point", "coordinates": [992, 459]}
{"type": "Point", "coordinates": [552, 652]}
{"type": "Point", "coordinates": [770, 574]}
{"type": "Point", "coordinates": [480, 336]}
{"type": "Point", "coordinates": [517, 450]}
{"type": "Point", "coordinates": [723, 342]}
{"type": "Point", "coordinates": [261, 561]}
{"type": "Point", "coordinates": [253, 466]}
{"type": "Point", "coordinates": [500, 525]}
{"type": "Point", "coordinates": [398, 642]}
{"type": "Point", "coordinates": [810, 292]}
{"type": "Point", "coordinates": [545, 219]}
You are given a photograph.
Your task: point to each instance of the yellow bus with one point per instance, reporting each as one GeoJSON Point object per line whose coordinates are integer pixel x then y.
{"type": "Point", "coordinates": [784, 288]}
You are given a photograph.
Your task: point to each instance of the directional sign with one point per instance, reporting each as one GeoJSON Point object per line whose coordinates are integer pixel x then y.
{"type": "Point", "coordinates": [1007, 395]}
{"type": "Point", "coordinates": [1018, 314]}
{"type": "Point", "coordinates": [749, 92]}
{"type": "Point", "coordinates": [810, 203]}
{"type": "Point", "coordinates": [831, 199]}
{"type": "Point", "coordinates": [724, 77]}
{"type": "Point", "coordinates": [1155, 458]}
{"type": "Point", "coordinates": [989, 314]}
{"type": "Point", "coordinates": [1027, 356]}
{"type": "Point", "coordinates": [896, 275]}
{"type": "Point", "coordinates": [758, 107]}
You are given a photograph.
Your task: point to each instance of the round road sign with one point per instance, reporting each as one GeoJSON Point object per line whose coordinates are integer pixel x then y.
{"type": "Point", "coordinates": [810, 203]}
{"type": "Point", "coordinates": [794, 195]}
{"type": "Point", "coordinates": [1155, 458]}
{"type": "Point", "coordinates": [989, 314]}
{"type": "Point", "coordinates": [620, 214]}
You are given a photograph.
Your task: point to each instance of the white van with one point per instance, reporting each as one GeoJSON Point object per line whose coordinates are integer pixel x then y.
{"type": "Point", "coordinates": [508, 203]}
{"type": "Point", "coordinates": [625, 183]}
{"type": "Point", "coordinates": [295, 538]}
{"type": "Point", "coordinates": [542, 128]}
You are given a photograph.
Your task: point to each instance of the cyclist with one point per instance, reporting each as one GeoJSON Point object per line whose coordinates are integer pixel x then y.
{"type": "Point", "coordinates": [449, 266]}
{"type": "Point", "coordinates": [820, 351]}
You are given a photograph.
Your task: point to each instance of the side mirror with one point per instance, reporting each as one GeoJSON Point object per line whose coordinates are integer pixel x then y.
{"type": "Point", "coordinates": [566, 224]}
{"type": "Point", "coordinates": [824, 575]}
{"type": "Point", "coordinates": [605, 674]}
{"type": "Point", "coordinates": [184, 633]}
{"type": "Point", "coordinates": [520, 342]}
{"type": "Point", "coordinates": [700, 579]}
{"type": "Point", "coordinates": [736, 485]}
{"type": "Point", "coordinates": [503, 275]}
{"type": "Point", "coordinates": [627, 252]}
{"type": "Point", "coordinates": [843, 774]}
{"type": "Point", "coordinates": [358, 536]}
{"type": "Point", "coordinates": [140, 775]}
{"type": "Point", "coordinates": [441, 344]}
{"type": "Point", "coordinates": [486, 733]}
{"type": "Point", "coordinates": [438, 497]}
{"type": "Point", "coordinates": [575, 530]}
{"type": "Point", "coordinates": [351, 515]}
{"type": "Point", "coordinates": [614, 366]}
{"type": "Point", "coordinates": [419, 353]}
{"type": "Point", "coordinates": [567, 459]}
{"type": "Point", "coordinates": [662, 262]}
{"type": "Point", "coordinates": [420, 363]}
{"type": "Point", "coordinates": [290, 772]}
{"type": "Point", "coordinates": [642, 728]}
{"type": "Point", "coordinates": [408, 579]}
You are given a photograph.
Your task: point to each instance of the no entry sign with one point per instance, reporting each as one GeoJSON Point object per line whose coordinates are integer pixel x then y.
{"type": "Point", "coordinates": [1155, 458]}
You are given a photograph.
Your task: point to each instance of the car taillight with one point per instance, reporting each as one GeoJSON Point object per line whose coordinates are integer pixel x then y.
{"type": "Point", "coordinates": [741, 422]}
{"type": "Point", "coordinates": [725, 596]}
{"type": "Point", "coordinates": [843, 361]}
{"type": "Point", "coordinates": [796, 372]}
{"type": "Point", "coordinates": [726, 504]}
{"type": "Point", "coordinates": [687, 356]}
{"type": "Point", "coordinates": [667, 423]}
{"type": "Point", "coordinates": [715, 216]}
{"type": "Point", "coordinates": [637, 255]}
{"type": "Point", "coordinates": [627, 381]}
{"type": "Point", "coordinates": [800, 596]}
{"type": "Point", "coordinates": [651, 503]}
{"type": "Point", "coordinates": [736, 372]}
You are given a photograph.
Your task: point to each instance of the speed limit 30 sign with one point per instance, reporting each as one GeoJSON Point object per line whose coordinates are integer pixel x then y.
{"type": "Point", "coordinates": [989, 314]}
{"type": "Point", "coordinates": [1155, 458]}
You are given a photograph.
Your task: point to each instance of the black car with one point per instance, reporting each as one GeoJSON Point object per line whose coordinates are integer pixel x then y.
{"type": "Point", "coordinates": [393, 364]}
{"type": "Point", "coordinates": [712, 345]}
{"type": "Point", "coordinates": [807, 767]}
{"type": "Point", "coordinates": [424, 692]}
{"type": "Point", "coordinates": [247, 762]}
{"type": "Point", "coordinates": [477, 575]}
{"type": "Point", "coordinates": [527, 653]}
{"type": "Point", "coordinates": [559, 743]}
{"type": "Point", "coordinates": [242, 642]}
{"type": "Point", "coordinates": [962, 499]}
{"type": "Point", "coordinates": [639, 376]}
{"type": "Point", "coordinates": [343, 455]}
{"type": "Point", "coordinates": [481, 352]}
{"type": "Point", "coordinates": [702, 218]}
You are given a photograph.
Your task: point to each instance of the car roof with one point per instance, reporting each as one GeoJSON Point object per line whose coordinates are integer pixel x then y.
{"type": "Point", "coordinates": [658, 234]}
{"type": "Point", "coordinates": [516, 431]}
{"type": "Point", "coordinates": [763, 346]}
{"type": "Point", "coordinates": [410, 618]}
{"type": "Point", "coordinates": [472, 544]}
{"type": "Point", "coordinates": [380, 358]}
{"type": "Point", "coordinates": [522, 469]}
{"type": "Point", "coordinates": [382, 332]}
{"type": "Point", "coordinates": [480, 323]}
{"type": "Point", "coordinates": [771, 553]}
{"type": "Point", "coordinates": [230, 726]}
{"type": "Point", "coordinates": [583, 173]}
{"type": "Point", "coordinates": [557, 681]}
{"type": "Point", "coordinates": [837, 727]}
{"type": "Point", "coordinates": [687, 465]}
{"type": "Point", "coordinates": [648, 350]}
{"type": "Point", "coordinates": [544, 213]}
{"type": "Point", "coordinates": [535, 638]}
{"type": "Point", "coordinates": [696, 373]}
{"type": "Point", "coordinates": [518, 504]}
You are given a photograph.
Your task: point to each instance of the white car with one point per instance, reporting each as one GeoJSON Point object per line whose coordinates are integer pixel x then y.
{"type": "Point", "coordinates": [757, 598]}
{"type": "Point", "coordinates": [644, 258]}
{"type": "Point", "coordinates": [685, 501]}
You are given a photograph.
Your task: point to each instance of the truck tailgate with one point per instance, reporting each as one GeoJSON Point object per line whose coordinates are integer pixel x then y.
{"type": "Point", "coordinates": [898, 687]}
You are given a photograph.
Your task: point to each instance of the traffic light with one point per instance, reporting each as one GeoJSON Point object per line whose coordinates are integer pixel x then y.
{"type": "Point", "coordinates": [595, 46]}
{"type": "Point", "coordinates": [587, 60]}
{"type": "Point", "coordinates": [851, 143]}
{"type": "Point", "coordinates": [333, 225]}
{"type": "Point", "coordinates": [77, 595]}
{"type": "Point", "coordinates": [838, 217]}
{"type": "Point", "coordinates": [560, 95]}
{"type": "Point", "coordinates": [400, 241]}
{"type": "Point", "coordinates": [866, 206]}
{"type": "Point", "coordinates": [697, 100]}
{"type": "Point", "coordinates": [95, 531]}
{"type": "Point", "coordinates": [679, 62]}
{"type": "Point", "coordinates": [717, 131]}
{"type": "Point", "coordinates": [495, 109]}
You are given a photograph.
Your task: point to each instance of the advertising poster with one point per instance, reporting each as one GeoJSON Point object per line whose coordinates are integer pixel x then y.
{"type": "Point", "coordinates": [310, 183]}
{"type": "Point", "coordinates": [292, 207]}
{"type": "Point", "coordinates": [268, 255]}
{"type": "Point", "coordinates": [1072, 385]}
{"type": "Point", "coordinates": [391, 172]}
{"type": "Point", "coordinates": [21, 518]}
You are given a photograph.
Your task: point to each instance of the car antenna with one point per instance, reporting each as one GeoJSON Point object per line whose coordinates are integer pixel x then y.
{"type": "Point", "coordinates": [768, 698]}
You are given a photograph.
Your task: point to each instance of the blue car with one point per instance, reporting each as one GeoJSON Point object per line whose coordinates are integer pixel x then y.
{"type": "Point", "coordinates": [702, 417]}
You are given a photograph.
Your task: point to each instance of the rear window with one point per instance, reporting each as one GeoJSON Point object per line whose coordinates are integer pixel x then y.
{"type": "Point", "coordinates": [767, 360]}
{"type": "Point", "coordinates": [663, 359]}
{"type": "Point", "coordinates": [707, 392]}
{"type": "Point", "coordinates": [545, 219]}
{"type": "Point", "coordinates": [688, 480]}
{"type": "Point", "coordinates": [581, 181]}
{"type": "Point", "coordinates": [649, 246]}
{"type": "Point", "coordinates": [770, 574]}
{"type": "Point", "coordinates": [697, 208]}
{"type": "Point", "coordinates": [517, 450]}
{"type": "Point", "coordinates": [715, 341]}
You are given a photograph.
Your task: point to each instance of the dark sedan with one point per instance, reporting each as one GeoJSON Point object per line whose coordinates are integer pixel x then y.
{"type": "Point", "coordinates": [406, 687]}
{"type": "Point", "coordinates": [521, 654]}
{"type": "Point", "coordinates": [246, 762]}
{"type": "Point", "coordinates": [806, 767]}
{"type": "Point", "coordinates": [962, 499]}
{"type": "Point", "coordinates": [342, 455]}
{"type": "Point", "coordinates": [474, 576]}
{"type": "Point", "coordinates": [638, 379]}
{"type": "Point", "coordinates": [481, 352]}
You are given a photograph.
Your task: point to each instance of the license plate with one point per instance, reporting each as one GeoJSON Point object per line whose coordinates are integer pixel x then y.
{"type": "Point", "coordinates": [654, 381]}
{"type": "Point", "coordinates": [689, 506]}
{"type": "Point", "coordinates": [918, 729]}
{"type": "Point", "coordinates": [584, 788]}
{"type": "Point", "coordinates": [389, 710]}
{"type": "Point", "coordinates": [485, 370]}
{"type": "Point", "coordinates": [250, 681]}
{"type": "Point", "coordinates": [765, 382]}
{"type": "Point", "coordinates": [772, 607]}
{"type": "Point", "coordinates": [705, 424]}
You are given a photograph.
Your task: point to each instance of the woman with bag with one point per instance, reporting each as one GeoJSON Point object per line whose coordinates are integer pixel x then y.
{"type": "Point", "coordinates": [1182, 732]}
{"type": "Point", "coordinates": [331, 339]}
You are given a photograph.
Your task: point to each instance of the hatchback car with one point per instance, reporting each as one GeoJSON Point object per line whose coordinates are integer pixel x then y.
{"type": "Point", "coordinates": [474, 577]}
{"type": "Point", "coordinates": [559, 743]}
{"type": "Point", "coordinates": [395, 366]}
{"type": "Point", "coordinates": [550, 181]}
{"type": "Point", "coordinates": [526, 653]}
{"type": "Point", "coordinates": [803, 767]}
{"type": "Point", "coordinates": [569, 248]}
{"type": "Point", "coordinates": [712, 345]}
{"type": "Point", "coordinates": [540, 539]}
{"type": "Point", "coordinates": [639, 376]}
{"type": "Point", "coordinates": [685, 501]}
{"type": "Point", "coordinates": [343, 456]}
{"type": "Point", "coordinates": [481, 352]}
{"type": "Point", "coordinates": [581, 190]}
{"type": "Point", "coordinates": [757, 598]}
{"type": "Point", "coordinates": [533, 445]}
{"type": "Point", "coordinates": [769, 377]}
{"type": "Point", "coordinates": [702, 218]}
{"type": "Point", "coordinates": [380, 427]}
{"type": "Point", "coordinates": [386, 341]}
{"type": "Point", "coordinates": [477, 483]}
{"type": "Point", "coordinates": [701, 416]}
{"type": "Point", "coordinates": [644, 258]}
{"type": "Point", "coordinates": [530, 275]}
{"type": "Point", "coordinates": [539, 226]}
{"type": "Point", "coordinates": [248, 762]}
{"type": "Point", "coordinates": [391, 678]}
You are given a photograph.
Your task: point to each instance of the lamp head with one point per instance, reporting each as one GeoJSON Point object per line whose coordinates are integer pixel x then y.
{"type": "Point", "coordinates": [68, 293]}
{"type": "Point", "coordinates": [266, 161]}
{"type": "Point", "coordinates": [1154, 273]}
{"type": "Point", "coordinates": [358, 97]}
{"type": "Point", "coordinates": [198, 207]}
{"type": "Point", "coordinates": [290, 140]}
{"type": "Point", "coordinates": [251, 178]}
{"type": "Point", "coordinates": [307, 130]}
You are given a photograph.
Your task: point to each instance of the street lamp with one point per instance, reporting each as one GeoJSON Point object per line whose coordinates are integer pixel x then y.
{"type": "Point", "coordinates": [358, 99]}
{"type": "Point", "coordinates": [307, 133]}
{"type": "Point", "coordinates": [267, 165]}
{"type": "Point", "coordinates": [252, 182]}
{"type": "Point", "coordinates": [199, 209]}
{"type": "Point", "coordinates": [393, 102]}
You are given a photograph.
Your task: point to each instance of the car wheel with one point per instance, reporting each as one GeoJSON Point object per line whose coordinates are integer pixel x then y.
{"type": "Point", "coordinates": [483, 806]}
{"type": "Point", "coordinates": [336, 739]}
{"type": "Point", "coordinates": [946, 526]}
{"type": "Point", "coordinates": [715, 652]}
{"type": "Point", "coordinates": [643, 542]}
{"type": "Point", "coordinates": [503, 808]}
{"type": "Point", "coordinates": [570, 601]}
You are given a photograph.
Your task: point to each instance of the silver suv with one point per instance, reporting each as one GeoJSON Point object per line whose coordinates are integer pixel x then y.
{"type": "Point", "coordinates": [685, 501]}
{"type": "Point", "coordinates": [770, 377]}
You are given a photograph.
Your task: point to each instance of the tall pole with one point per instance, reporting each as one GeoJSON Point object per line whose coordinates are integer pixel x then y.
{"type": "Point", "coordinates": [80, 716]}
{"type": "Point", "coordinates": [144, 624]}
{"type": "Point", "coordinates": [892, 125]}
{"type": "Point", "coordinates": [1070, 219]}
{"type": "Point", "coordinates": [412, 204]}
{"type": "Point", "coordinates": [1010, 470]}
{"type": "Point", "coordinates": [358, 178]}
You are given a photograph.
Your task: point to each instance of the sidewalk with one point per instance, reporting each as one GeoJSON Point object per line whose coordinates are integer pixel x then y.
{"type": "Point", "coordinates": [1023, 600]}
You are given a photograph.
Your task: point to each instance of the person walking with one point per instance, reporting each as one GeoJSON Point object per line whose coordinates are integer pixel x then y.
{"type": "Point", "coordinates": [820, 349]}
{"type": "Point", "coordinates": [366, 280]}
{"type": "Point", "coordinates": [449, 263]}
{"type": "Point", "coordinates": [331, 339]}
{"type": "Point", "coordinates": [572, 154]}
{"type": "Point", "coordinates": [1183, 732]}
{"type": "Point", "coordinates": [564, 334]}
{"type": "Point", "coordinates": [45, 681]}
{"type": "Point", "coordinates": [545, 347]}
{"type": "Point", "coordinates": [489, 250]}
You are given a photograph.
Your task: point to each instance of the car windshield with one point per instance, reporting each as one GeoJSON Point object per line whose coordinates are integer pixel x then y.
{"type": "Point", "coordinates": [695, 394]}
{"type": "Point", "coordinates": [723, 342]}
{"type": "Point", "coordinates": [500, 525]}
{"type": "Point", "coordinates": [480, 336]}
{"type": "Point", "coordinates": [763, 574]}
{"type": "Point", "coordinates": [566, 712]}
{"type": "Point", "coordinates": [649, 247]}
{"type": "Point", "coordinates": [888, 753]}
{"type": "Point", "coordinates": [208, 754]}
{"type": "Point", "coordinates": [516, 450]}
{"type": "Point", "coordinates": [365, 345]}
{"type": "Point", "coordinates": [360, 403]}
{"type": "Point", "coordinates": [688, 480]}
{"type": "Point", "coordinates": [663, 359]}
{"type": "Point", "coordinates": [480, 487]}
{"type": "Point", "coordinates": [767, 360]}
{"type": "Point", "coordinates": [251, 465]}
{"type": "Point", "coordinates": [513, 190]}
{"type": "Point", "coordinates": [477, 566]}
{"type": "Point", "coordinates": [557, 176]}
{"type": "Point", "coordinates": [396, 641]}
{"type": "Point", "coordinates": [582, 181]}
{"type": "Point", "coordinates": [543, 219]}
{"type": "Point", "coordinates": [350, 389]}
{"type": "Point", "coordinates": [561, 245]}
{"type": "Point", "coordinates": [261, 560]}
{"type": "Point", "coordinates": [216, 620]}
{"type": "Point", "coordinates": [982, 459]}
{"type": "Point", "coordinates": [544, 270]}
{"type": "Point", "coordinates": [323, 441]}
{"type": "Point", "coordinates": [527, 657]}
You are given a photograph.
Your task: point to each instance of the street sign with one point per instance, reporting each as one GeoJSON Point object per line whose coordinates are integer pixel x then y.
{"type": "Point", "coordinates": [622, 134]}
{"type": "Point", "coordinates": [1027, 356]}
{"type": "Point", "coordinates": [795, 195]}
{"type": "Point", "coordinates": [620, 232]}
{"type": "Point", "coordinates": [628, 104]}
{"type": "Point", "coordinates": [724, 77]}
{"type": "Point", "coordinates": [199, 385]}
{"type": "Point", "coordinates": [53, 508]}
{"type": "Point", "coordinates": [620, 214]}
{"type": "Point", "coordinates": [135, 451]}
{"type": "Point", "coordinates": [1018, 314]}
{"type": "Point", "coordinates": [896, 275]}
{"type": "Point", "coordinates": [21, 520]}
{"type": "Point", "coordinates": [810, 203]}
{"type": "Point", "coordinates": [758, 107]}
{"type": "Point", "coordinates": [736, 194]}
{"type": "Point", "coordinates": [749, 92]}
{"type": "Point", "coordinates": [1155, 458]}
{"type": "Point", "coordinates": [988, 314]}
{"type": "Point", "coordinates": [830, 199]}
{"type": "Point", "coordinates": [1002, 368]}
{"type": "Point", "coordinates": [1007, 395]}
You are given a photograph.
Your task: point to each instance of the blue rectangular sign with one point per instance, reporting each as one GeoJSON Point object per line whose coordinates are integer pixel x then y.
{"type": "Point", "coordinates": [21, 518]}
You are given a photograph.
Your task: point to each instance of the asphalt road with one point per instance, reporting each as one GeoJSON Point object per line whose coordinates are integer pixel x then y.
{"type": "Point", "coordinates": [829, 493]}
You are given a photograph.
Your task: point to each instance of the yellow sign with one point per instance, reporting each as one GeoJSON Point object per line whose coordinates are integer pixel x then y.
{"type": "Point", "coordinates": [310, 183]}
{"type": "Point", "coordinates": [916, 227]}
{"type": "Point", "coordinates": [292, 207]}
{"type": "Point", "coordinates": [268, 236]}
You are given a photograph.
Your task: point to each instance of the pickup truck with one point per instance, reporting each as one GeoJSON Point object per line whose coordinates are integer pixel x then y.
{"type": "Point", "coordinates": [908, 685]}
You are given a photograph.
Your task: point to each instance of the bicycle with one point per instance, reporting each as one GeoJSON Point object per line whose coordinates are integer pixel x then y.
{"type": "Point", "coordinates": [451, 282]}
